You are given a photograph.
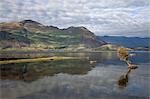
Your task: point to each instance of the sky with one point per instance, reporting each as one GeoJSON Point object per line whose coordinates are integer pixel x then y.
{"type": "Point", "coordinates": [103, 17]}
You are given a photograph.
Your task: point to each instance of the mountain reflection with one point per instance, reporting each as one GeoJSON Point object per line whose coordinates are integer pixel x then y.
{"type": "Point", "coordinates": [75, 79]}
{"type": "Point", "coordinates": [32, 71]}
{"type": "Point", "coordinates": [35, 70]}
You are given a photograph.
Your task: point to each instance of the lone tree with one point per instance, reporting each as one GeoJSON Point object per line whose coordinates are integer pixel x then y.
{"type": "Point", "coordinates": [124, 55]}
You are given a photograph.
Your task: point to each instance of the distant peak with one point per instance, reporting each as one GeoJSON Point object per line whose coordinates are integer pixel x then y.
{"type": "Point", "coordinates": [71, 27]}
{"type": "Point", "coordinates": [53, 27]}
{"type": "Point", "coordinates": [83, 28]}
{"type": "Point", "coordinates": [29, 21]}
{"type": "Point", "coordinates": [79, 28]}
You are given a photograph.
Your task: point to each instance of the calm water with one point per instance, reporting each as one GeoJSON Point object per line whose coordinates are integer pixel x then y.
{"type": "Point", "coordinates": [76, 79]}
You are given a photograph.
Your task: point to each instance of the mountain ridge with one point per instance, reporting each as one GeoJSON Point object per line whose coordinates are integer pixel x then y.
{"type": "Point", "coordinates": [131, 42]}
{"type": "Point", "coordinates": [29, 33]}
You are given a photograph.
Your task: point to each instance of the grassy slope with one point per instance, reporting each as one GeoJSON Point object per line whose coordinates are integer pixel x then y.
{"type": "Point", "coordinates": [34, 36]}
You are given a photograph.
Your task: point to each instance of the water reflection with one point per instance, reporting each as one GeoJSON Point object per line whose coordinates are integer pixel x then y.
{"type": "Point", "coordinates": [123, 80]}
{"type": "Point", "coordinates": [32, 71]}
{"type": "Point", "coordinates": [75, 79]}
{"type": "Point", "coordinates": [36, 70]}
{"type": "Point", "coordinates": [94, 56]}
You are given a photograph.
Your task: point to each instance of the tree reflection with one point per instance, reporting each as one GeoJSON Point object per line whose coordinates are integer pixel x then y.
{"type": "Point", "coordinates": [124, 55]}
{"type": "Point", "coordinates": [123, 80]}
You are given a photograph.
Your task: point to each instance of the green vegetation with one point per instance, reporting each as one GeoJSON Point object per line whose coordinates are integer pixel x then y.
{"type": "Point", "coordinates": [31, 34]}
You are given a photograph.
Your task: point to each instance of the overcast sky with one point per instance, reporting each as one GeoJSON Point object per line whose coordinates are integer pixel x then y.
{"type": "Point", "coordinates": [103, 17]}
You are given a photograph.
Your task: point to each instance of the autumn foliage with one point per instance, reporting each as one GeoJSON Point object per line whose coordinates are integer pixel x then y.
{"type": "Point", "coordinates": [123, 53]}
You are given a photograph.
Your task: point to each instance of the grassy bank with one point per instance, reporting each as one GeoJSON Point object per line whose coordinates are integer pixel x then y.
{"type": "Point", "coordinates": [40, 59]}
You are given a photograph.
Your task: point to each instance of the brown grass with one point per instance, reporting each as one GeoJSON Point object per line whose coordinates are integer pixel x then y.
{"type": "Point", "coordinates": [39, 59]}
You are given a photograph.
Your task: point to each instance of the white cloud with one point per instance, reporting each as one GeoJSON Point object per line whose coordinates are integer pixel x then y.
{"type": "Point", "coordinates": [104, 17]}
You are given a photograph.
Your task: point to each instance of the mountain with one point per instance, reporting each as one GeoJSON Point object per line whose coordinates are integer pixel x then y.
{"type": "Point", "coordinates": [130, 42]}
{"type": "Point", "coordinates": [31, 34]}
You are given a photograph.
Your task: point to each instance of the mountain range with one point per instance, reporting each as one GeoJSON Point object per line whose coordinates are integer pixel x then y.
{"type": "Point", "coordinates": [31, 34]}
{"type": "Point", "coordinates": [130, 42]}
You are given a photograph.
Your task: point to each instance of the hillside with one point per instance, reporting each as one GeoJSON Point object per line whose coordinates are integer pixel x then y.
{"type": "Point", "coordinates": [130, 42]}
{"type": "Point", "coordinates": [32, 34]}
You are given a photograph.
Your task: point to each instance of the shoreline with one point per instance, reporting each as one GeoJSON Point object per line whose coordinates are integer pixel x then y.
{"type": "Point", "coordinates": [54, 58]}
{"type": "Point", "coordinates": [69, 51]}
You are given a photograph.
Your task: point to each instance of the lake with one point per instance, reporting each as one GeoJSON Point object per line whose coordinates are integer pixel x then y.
{"type": "Point", "coordinates": [75, 79]}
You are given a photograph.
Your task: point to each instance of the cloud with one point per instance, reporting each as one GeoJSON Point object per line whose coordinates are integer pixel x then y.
{"type": "Point", "coordinates": [103, 17]}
